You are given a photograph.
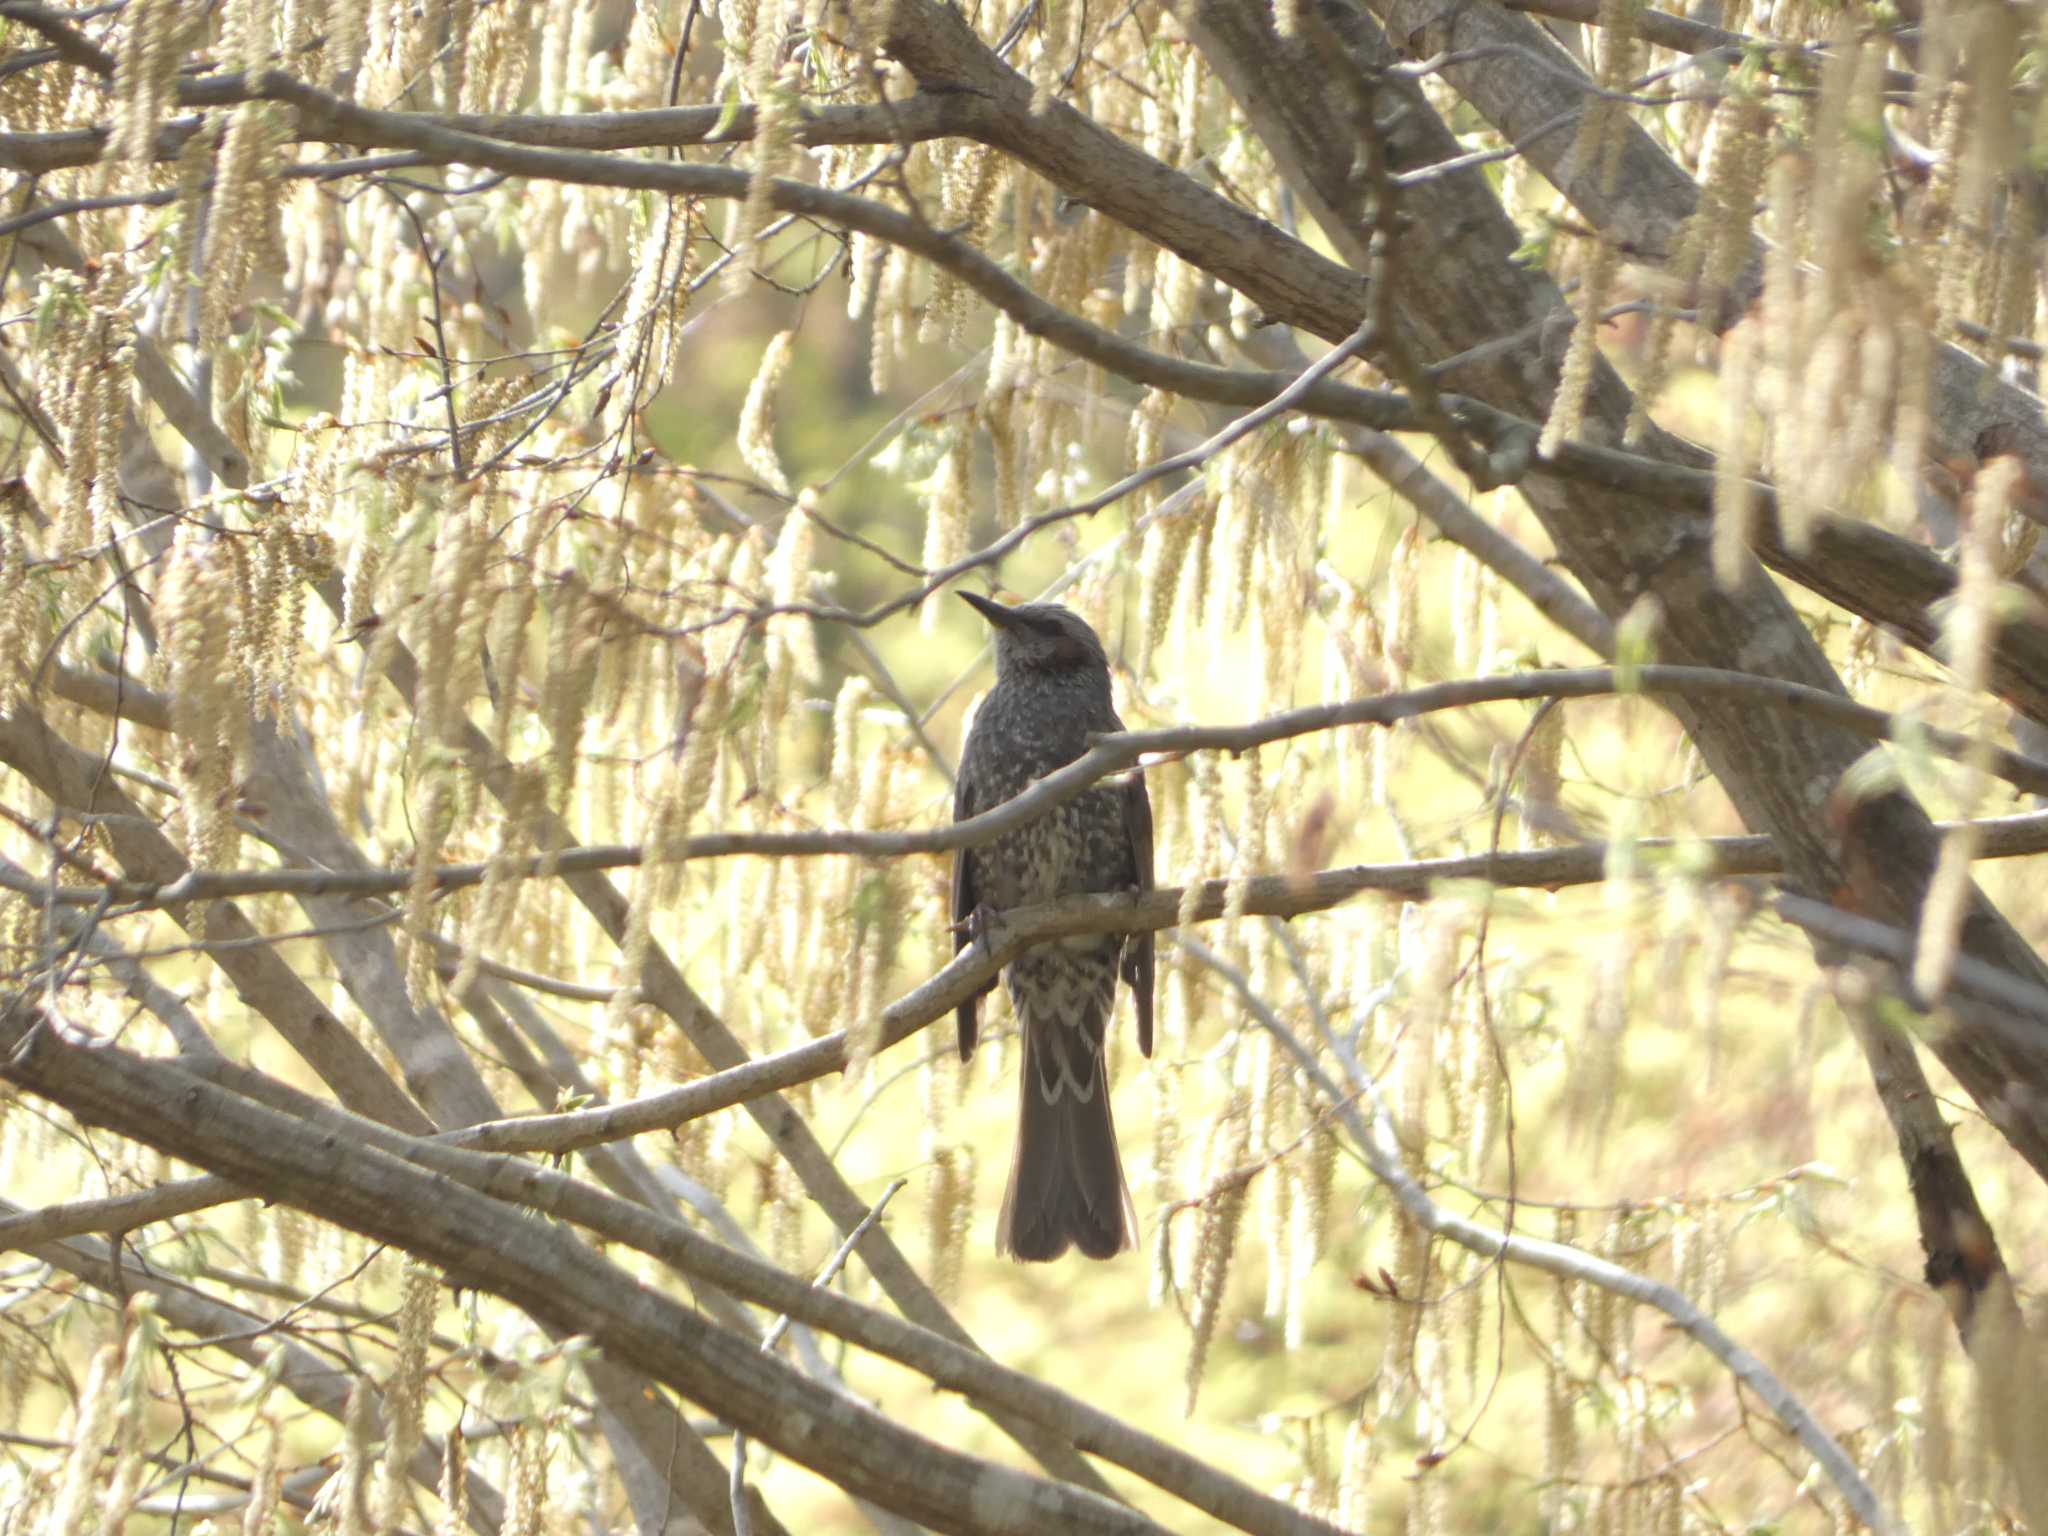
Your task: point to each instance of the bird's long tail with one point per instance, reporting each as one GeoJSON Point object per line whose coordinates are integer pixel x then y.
{"type": "Point", "coordinates": [1067, 1184]}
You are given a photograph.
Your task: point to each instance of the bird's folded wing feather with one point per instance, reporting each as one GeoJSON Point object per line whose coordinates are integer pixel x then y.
{"type": "Point", "coordinates": [1138, 948]}
{"type": "Point", "coordinates": [964, 902]}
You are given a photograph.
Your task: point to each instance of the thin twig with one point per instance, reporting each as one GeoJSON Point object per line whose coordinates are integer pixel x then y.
{"type": "Point", "coordinates": [1379, 1144]}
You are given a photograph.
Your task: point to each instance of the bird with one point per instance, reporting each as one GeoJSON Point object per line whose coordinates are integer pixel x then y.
{"type": "Point", "coordinates": [1051, 695]}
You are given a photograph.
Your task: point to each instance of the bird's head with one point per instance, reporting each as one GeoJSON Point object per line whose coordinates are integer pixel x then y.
{"type": "Point", "coordinates": [1040, 637]}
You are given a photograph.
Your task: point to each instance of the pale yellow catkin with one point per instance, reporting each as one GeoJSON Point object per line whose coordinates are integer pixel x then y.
{"type": "Point", "coordinates": [1222, 1214]}
{"type": "Point", "coordinates": [650, 333]}
{"type": "Point", "coordinates": [1541, 818]}
{"type": "Point", "coordinates": [358, 1426]}
{"type": "Point", "coordinates": [97, 1405]}
{"type": "Point", "coordinates": [1205, 815]}
{"type": "Point", "coordinates": [792, 637]}
{"type": "Point", "coordinates": [1969, 630]}
{"type": "Point", "coordinates": [573, 628]}
{"type": "Point", "coordinates": [949, 1190]}
{"type": "Point", "coordinates": [242, 218]}
{"type": "Point", "coordinates": [890, 331]}
{"type": "Point", "coordinates": [1000, 416]}
{"type": "Point", "coordinates": [433, 815]}
{"type": "Point", "coordinates": [946, 516]}
{"type": "Point", "coordinates": [196, 605]}
{"type": "Point", "coordinates": [20, 608]}
{"type": "Point", "coordinates": [772, 86]}
{"type": "Point", "coordinates": [1735, 499]}
{"type": "Point", "coordinates": [1602, 135]}
{"type": "Point", "coordinates": [145, 70]}
{"type": "Point", "coordinates": [527, 1501]}
{"type": "Point", "coordinates": [266, 1485]}
{"type": "Point", "coordinates": [405, 1392]}
{"type": "Point", "coordinates": [755, 436]}
{"type": "Point", "coordinates": [1267, 1137]}
{"type": "Point", "coordinates": [971, 178]}
{"type": "Point", "coordinates": [864, 264]}
{"type": "Point", "coordinates": [1250, 859]}
{"type": "Point", "coordinates": [1582, 353]}
{"type": "Point", "coordinates": [1560, 1443]}
{"type": "Point", "coordinates": [1715, 242]}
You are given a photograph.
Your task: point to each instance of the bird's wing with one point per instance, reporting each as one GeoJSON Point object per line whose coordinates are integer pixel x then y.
{"type": "Point", "coordinates": [964, 902]}
{"type": "Point", "coordinates": [1138, 947]}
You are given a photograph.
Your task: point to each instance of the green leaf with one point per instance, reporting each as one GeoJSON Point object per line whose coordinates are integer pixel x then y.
{"type": "Point", "coordinates": [728, 110]}
{"type": "Point", "coordinates": [1635, 644]}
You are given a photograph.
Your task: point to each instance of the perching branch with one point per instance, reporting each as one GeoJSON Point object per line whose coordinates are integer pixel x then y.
{"type": "Point", "coordinates": [1110, 754]}
{"type": "Point", "coordinates": [1015, 931]}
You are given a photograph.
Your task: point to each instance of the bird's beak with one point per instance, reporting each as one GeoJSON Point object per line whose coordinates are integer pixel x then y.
{"type": "Point", "coordinates": [989, 609]}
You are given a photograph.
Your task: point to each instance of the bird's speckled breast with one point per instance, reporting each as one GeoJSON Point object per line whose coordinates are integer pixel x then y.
{"type": "Point", "coordinates": [1084, 845]}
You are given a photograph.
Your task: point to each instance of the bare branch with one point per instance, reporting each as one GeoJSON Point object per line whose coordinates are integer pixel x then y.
{"type": "Point", "coordinates": [1681, 34]}
{"type": "Point", "coordinates": [1374, 1135]}
{"type": "Point", "coordinates": [372, 1181]}
{"type": "Point", "coordinates": [1111, 754]}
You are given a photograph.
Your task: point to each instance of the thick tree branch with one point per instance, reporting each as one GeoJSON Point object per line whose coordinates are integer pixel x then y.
{"type": "Point", "coordinates": [326, 1168]}
{"type": "Point", "coordinates": [77, 781]}
{"type": "Point", "coordinates": [1459, 286]}
{"type": "Point", "coordinates": [912, 120]}
{"type": "Point", "coordinates": [251, 1338]}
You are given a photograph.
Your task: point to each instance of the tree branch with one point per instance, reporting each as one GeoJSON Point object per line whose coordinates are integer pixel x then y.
{"type": "Point", "coordinates": [1460, 286]}
{"type": "Point", "coordinates": [345, 1170]}
{"type": "Point", "coordinates": [1378, 1142]}
{"type": "Point", "coordinates": [1111, 753]}
{"type": "Point", "coordinates": [909, 121]}
{"type": "Point", "coordinates": [251, 1338]}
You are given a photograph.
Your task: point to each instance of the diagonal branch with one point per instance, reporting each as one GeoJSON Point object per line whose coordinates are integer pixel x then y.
{"type": "Point", "coordinates": [1373, 1133]}
{"type": "Point", "coordinates": [251, 1338]}
{"type": "Point", "coordinates": [347, 1171]}
{"type": "Point", "coordinates": [73, 780]}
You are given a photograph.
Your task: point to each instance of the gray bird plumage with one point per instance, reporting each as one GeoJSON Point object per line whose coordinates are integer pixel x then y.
{"type": "Point", "coordinates": [1067, 1184]}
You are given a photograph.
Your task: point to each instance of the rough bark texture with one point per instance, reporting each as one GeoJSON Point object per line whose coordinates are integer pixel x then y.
{"type": "Point", "coordinates": [1454, 288]}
